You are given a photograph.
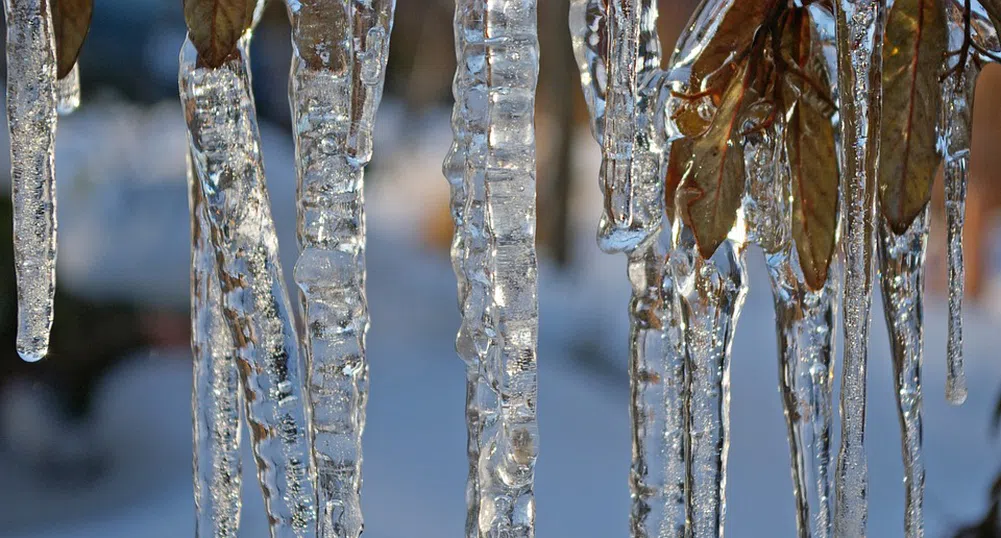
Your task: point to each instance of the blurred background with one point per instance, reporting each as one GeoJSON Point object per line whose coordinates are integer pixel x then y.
{"type": "Point", "coordinates": [95, 441]}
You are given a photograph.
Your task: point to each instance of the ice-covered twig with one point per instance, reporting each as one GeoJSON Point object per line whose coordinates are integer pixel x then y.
{"type": "Point", "coordinates": [31, 118]}
{"type": "Point", "coordinates": [901, 261]}
{"type": "Point", "coordinates": [216, 396]}
{"type": "Point", "coordinates": [225, 146]}
{"type": "Point", "coordinates": [68, 92]}
{"type": "Point", "coordinates": [338, 70]}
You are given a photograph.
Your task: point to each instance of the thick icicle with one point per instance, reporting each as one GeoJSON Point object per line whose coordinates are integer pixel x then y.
{"type": "Point", "coordinates": [860, 38]}
{"type": "Point", "coordinates": [338, 70]}
{"type": "Point", "coordinates": [711, 293]}
{"type": "Point", "coordinates": [805, 321]}
{"type": "Point", "coordinates": [225, 146]}
{"type": "Point", "coordinates": [657, 476]}
{"type": "Point", "coordinates": [68, 92]}
{"type": "Point", "coordinates": [216, 398]}
{"type": "Point", "coordinates": [31, 118]}
{"type": "Point", "coordinates": [901, 262]}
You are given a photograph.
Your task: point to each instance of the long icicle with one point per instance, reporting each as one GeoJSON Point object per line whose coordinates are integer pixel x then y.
{"type": "Point", "coordinates": [657, 476]}
{"type": "Point", "coordinates": [31, 119]}
{"type": "Point", "coordinates": [711, 294]}
{"type": "Point", "coordinates": [216, 398]}
{"type": "Point", "coordinates": [68, 92]}
{"type": "Point", "coordinates": [510, 445]}
{"type": "Point", "coordinates": [225, 145]}
{"type": "Point", "coordinates": [334, 96]}
{"type": "Point", "coordinates": [901, 265]}
{"type": "Point", "coordinates": [860, 37]}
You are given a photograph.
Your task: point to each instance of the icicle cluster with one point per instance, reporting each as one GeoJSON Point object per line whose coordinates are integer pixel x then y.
{"type": "Point", "coordinates": [491, 168]}
{"type": "Point", "coordinates": [338, 70]}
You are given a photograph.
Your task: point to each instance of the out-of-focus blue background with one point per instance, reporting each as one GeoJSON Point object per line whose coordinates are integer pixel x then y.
{"type": "Point", "coordinates": [116, 459]}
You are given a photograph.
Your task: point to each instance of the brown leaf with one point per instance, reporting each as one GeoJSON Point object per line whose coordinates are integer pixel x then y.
{"type": "Point", "coordinates": [712, 179]}
{"type": "Point", "coordinates": [323, 26]}
{"type": "Point", "coordinates": [810, 150]}
{"type": "Point", "coordinates": [915, 41]}
{"type": "Point", "coordinates": [70, 22]}
{"type": "Point", "coordinates": [733, 37]}
{"type": "Point", "coordinates": [680, 156]}
{"type": "Point", "coordinates": [216, 26]}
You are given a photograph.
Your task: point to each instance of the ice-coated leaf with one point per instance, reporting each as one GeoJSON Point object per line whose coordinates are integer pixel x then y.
{"type": "Point", "coordinates": [913, 47]}
{"type": "Point", "coordinates": [70, 22]}
{"type": "Point", "coordinates": [681, 153]}
{"type": "Point", "coordinates": [215, 27]}
{"type": "Point", "coordinates": [732, 39]}
{"type": "Point", "coordinates": [712, 175]}
{"type": "Point", "coordinates": [810, 149]}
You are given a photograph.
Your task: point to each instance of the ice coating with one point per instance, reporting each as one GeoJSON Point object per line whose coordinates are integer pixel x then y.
{"type": "Point", "coordinates": [31, 119]}
{"type": "Point", "coordinates": [68, 92]}
{"type": "Point", "coordinates": [711, 294]}
{"type": "Point", "coordinates": [216, 396]}
{"type": "Point", "coordinates": [859, 29]}
{"type": "Point", "coordinates": [491, 168]}
{"type": "Point", "coordinates": [633, 137]}
{"type": "Point", "coordinates": [333, 108]}
{"type": "Point", "coordinates": [901, 262]}
{"type": "Point", "coordinates": [225, 146]}
{"type": "Point", "coordinates": [804, 321]}
{"type": "Point", "coordinates": [589, 36]}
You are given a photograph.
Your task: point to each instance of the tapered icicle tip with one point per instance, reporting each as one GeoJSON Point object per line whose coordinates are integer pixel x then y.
{"type": "Point", "coordinates": [955, 387]}
{"type": "Point", "coordinates": [34, 349]}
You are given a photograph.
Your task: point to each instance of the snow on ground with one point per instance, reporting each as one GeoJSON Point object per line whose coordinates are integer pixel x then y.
{"type": "Point", "coordinates": [415, 439]}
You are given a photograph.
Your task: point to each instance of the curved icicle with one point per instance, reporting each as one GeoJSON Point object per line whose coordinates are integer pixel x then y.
{"type": "Point", "coordinates": [225, 146]}
{"type": "Point", "coordinates": [216, 398]}
{"type": "Point", "coordinates": [31, 119]}
{"type": "Point", "coordinates": [859, 36]}
{"type": "Point", "coordinates": [333, 106]}
{"type": "Point", "coordinates": [901, 262]}
{"type": "Point", "coordinates": [68, 92]}
{"type": "Point", "coordinates": [711, 294]}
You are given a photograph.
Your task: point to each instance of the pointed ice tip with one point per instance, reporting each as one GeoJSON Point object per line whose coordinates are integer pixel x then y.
{"type": "Point", "coordinates": [955, 391]}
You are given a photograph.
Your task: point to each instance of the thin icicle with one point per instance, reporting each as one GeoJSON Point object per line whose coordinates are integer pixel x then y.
{"type": "Point", "coordinates": [216, 398]}
{"type": "Point", "coordinates": [711, 293]}
{"type": "Point", "coordinates": [225, 146]}
{"type": "Point", "coordinates": [334, 106]}
{"type": "Point", "coordinates": [31, 118]}
{"type": "Point", "coordinates": [589, 36]}
{"type": "Point", "coordinates": [68, 92]}
{"type": "Point", "coordinates": [860, 37]}
{"type": "Point", "coordinates": [804, 321]}
{"type": "Point", "coordinates": [901, 263]}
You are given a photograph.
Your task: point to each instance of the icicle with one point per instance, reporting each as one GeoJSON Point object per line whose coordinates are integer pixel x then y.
{"type": "Point", "coordinates": [805, 321]}
{"type": "Point", "coordinates": [955, 130]}
{"type": "Point", "coordinates": [901, 262]}
{"type": "Point", "coordinates": [338, 70]}
{"type": "Point", "coordinates": [216, 397]}
{"type": "Point", "coordinates": [225, 146]}
{"type": "Point", "coordinates": [491, 167]}
{"type": "Point", "coordinates": [68, 92]}
{"type": "Point", "coordinates": [31, 118]}
{"type": "Point", "coordinates": [657, 477]}
{"type": "Point", "coordinates": [860, 37]}
{"type": "Point", "coordinates": [711, 293]}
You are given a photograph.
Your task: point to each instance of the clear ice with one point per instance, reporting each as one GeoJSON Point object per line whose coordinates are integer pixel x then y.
{"type": "Point", "coordinates": [491, 167]}
{"type": "Point", "coordinates": [901, 264]}
{"type": "Point", "coordinates": [31, 119]}
{"type": "Point", "coordinates": [216, 397]}
{"type": "Point", "coordinates": [225, 147]}
{"type": "Point", "coordinates": [338, 70]}
{"type": "Point", "coordinates": [632, 134]}
{"type": "Point", "coordinates": [68, 92]}
{"type": "Point", "coordinates": [859, 37]}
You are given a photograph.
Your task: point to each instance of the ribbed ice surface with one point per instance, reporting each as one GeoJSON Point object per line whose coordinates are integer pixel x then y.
{"type": "Point", "coordinates": [216, 396]}
{"type": "Point", "coordinates": [901, 263]}
{"type": "Point", "coordinates": [333, 108]}
{"type": "Point", "coordinates": [31, 118]}
{"type": "Point", "coordinates": [711, 293]}
{"type": "Point", "coordinates": [491, 168]}
{"type": "Point", "coordinates": [68, 92]}
{"type": "Point", "coordinates": [860, 37]}
{"type": "Point", "coordinates": [225, 146]}
{"type": "Point", "coordinates": [589, 36]}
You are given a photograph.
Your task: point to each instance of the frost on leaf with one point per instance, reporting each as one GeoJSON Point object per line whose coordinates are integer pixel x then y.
{"type": "Point", "coordinates": [215, 27]}
{"type": "Point", "coordinates": [70, 22]}
{"type": "Point", "coordinates": [916, 38]}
